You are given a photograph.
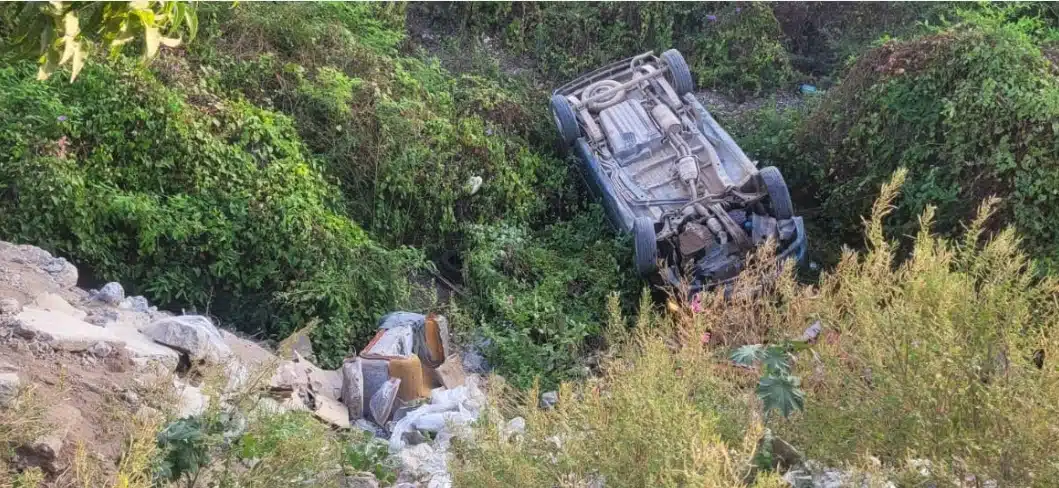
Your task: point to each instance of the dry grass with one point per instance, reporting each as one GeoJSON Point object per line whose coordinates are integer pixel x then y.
{"type": "Point", "coordinates": [22, 421]}
{"type": "Point", "coordinates": [652, 419]}
{"type": "Point", "coordinates": [932, 358]}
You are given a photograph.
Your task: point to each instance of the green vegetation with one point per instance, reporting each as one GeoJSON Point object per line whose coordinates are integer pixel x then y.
{"type": "Point", "coordinates": [250, 166]}
{"type": "Point", "coordinates": [538, 297]}
{"type": "Point", "coordinates": [62, 33]}
{"type": "Point", "coordinates": [734, 47]}
{"type": "Point", "coordinates": [400, 135]}
{"type": "Point", "coordinates": [223, 210]}
{"type": "Point", "coordinates": [298, 162]}
{"type": "Point", "coordinates": [968, 109]}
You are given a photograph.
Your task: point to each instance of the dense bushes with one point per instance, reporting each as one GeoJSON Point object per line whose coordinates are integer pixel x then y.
{"type": "Point", "coordinates": [537, 296]}
{"type": "Point", "coordinates": [217, 208]}
{"type": "Point", "coordinates": [402, 136]}
{"type": "Point", "coordinates": [731, 46]}
{"type": "Point", "coordinates": [969, 110]}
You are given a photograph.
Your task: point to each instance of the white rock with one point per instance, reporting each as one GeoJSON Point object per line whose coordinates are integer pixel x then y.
{"type": "Point", "coordinates": [9, 385]}
{"type": "Point", "coordinates": [112, 293]}
{"type": "Point", "coordinates": [289, 376]}
{"type": "Point", "coordinates": [192, 401]}
{"type": "Point", "coordinates": [100, 349]}
{"type": "Point", "coordinates": [68, 333]}
{"type": "Point", "coordinates": [514, 427]}
{"type": "Point", "coordinates": [549, 399]}
{"type": "Point", "coordinates": [9, 306]}
{"type": "Point", "coordinates": [332, 411]}
{"type": "Point", "coordinates": [135, 303]}
{"type": "Point", "coordinates": [56, 303]}
{"type": "Point", "coordinates": [193, 335]}
{"type": "Point", "coordinates": [61, 271]}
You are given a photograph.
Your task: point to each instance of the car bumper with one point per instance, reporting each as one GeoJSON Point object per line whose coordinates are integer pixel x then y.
{"type": "Point", "coordinates": [795, 251]}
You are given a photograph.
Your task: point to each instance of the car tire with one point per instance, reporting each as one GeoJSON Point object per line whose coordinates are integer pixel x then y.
{"type": "Point", "coordinates": [565, 120]}
{"type": "Point", "coordinates": [645, 246]}
{"type": "Point", "coordinates": [779, 195]}
{"type": "Point", "coordinates": [451, 266]}
{"type": "Point", "coordinates": [679, 76]}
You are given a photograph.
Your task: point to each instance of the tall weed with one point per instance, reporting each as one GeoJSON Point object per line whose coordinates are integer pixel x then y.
{"type": "Point", "coordinates": [943, 356]}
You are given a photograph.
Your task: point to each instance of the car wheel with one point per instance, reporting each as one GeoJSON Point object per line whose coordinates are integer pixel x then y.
{"type": "Point", "coordinates": [645, 246]}
{"type": "Point", "coordinates": [679, 76]}
{"type": "Point", "coordinates": [779, 195]}
{"type": "Point", "coordinates": [565, 119]}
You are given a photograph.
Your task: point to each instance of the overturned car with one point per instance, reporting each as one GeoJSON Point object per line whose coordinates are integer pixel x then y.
{"type": "Point", "coordinates": [669, 174]}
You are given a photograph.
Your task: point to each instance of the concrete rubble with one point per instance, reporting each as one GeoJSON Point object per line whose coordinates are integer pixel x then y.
{"type": "Point", "coordinates": [193, 335]}
{"type": "Point", "coordinates": [407, 386]}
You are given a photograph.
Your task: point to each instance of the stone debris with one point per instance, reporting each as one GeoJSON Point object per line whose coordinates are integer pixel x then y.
{"type": "Point", "coordinates": [192, 401]}
{"type": "Point", "coordinates": [55, 303]}
{"type": "Point", "coordinates": [68, 333]}
{"type": "Point", "coordinates": [360, 480]}
{"type": "Point", "coordinates": [43, 453]}
{"type": "Point", "coordinates": [136, 304]}
{"type": "Point", "coordinates": [102, 317]}
{"type": "Point", "coordinates": [408, 385]}
{"type": "Point", "coordinates": [514, 428]}
{"type": "Point", "coordinates": [451, 373]}
{"type": "Point", "coordinates": [332, 412]}
{"type": "Point", "coordinates": [321, 381]}
{"type": "Point", "coordinates": [9, 386]}
{"type": "Point", "coordinates": [100, 349]}
{"type": "Point", "coordinates": [549, 399]}
{"type": "Point", "coordinates": [9, 306]}
{"type": "Point", "coordinates": [193, 335]}
{"type": "Point", "coordinates": [111, 294]}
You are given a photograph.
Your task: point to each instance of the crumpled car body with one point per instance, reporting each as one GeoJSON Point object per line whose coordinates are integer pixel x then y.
{"type": "Point", "coordinates": [668, 173]}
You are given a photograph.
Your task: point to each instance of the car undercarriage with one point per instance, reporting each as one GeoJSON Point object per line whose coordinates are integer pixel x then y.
{"type": "Point", "coordinates": [668, 173]}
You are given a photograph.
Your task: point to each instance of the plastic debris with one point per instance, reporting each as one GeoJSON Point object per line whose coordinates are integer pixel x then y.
{"type": "Point", "coordinates": [381, 403]}
{"type": "Point", "coordinates": [353, 388]}
{"type": "Point", "coordinates": [414, 384]}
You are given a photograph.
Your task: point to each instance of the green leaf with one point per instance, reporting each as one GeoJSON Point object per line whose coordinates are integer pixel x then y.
{"type": "Point", "coordinates": [746, 355]}
{"type": "Point", "coordinates": [776, 360]}
{"type": "Point", "coordinates": [781, 393]}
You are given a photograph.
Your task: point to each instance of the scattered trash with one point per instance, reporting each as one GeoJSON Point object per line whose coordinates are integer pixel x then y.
{"type": "Point", "coordinates": [414, 383]}
{"type": "Point", "coordinates": [430, 335]}
{"type": "Point", "coordinates": [381, 403]}
{"type": "Point", "coordinates": [473, 184]}
{"type": "Point", "coordinates": [456, 406]}
{"type": "Point", "coordinates": [812, 332]}
{"type": "Point", "coordinates": [549, 399]}
{"type": "Point", "coordinates": [353, 388]}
